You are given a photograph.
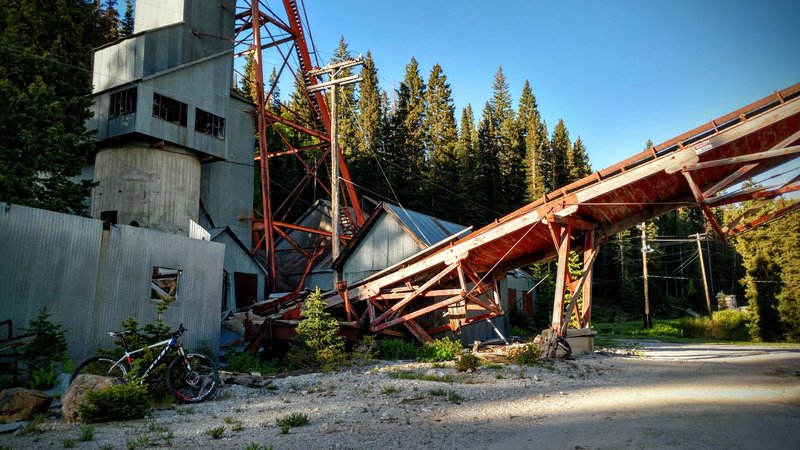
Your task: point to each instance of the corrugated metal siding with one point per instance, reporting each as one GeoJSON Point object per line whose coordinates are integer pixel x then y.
{"type": "Point", "coordinates": [92, 279]}
{"type": "Point", "coordinates": [387, 242]}
{"type": "Point", "coordinates": [429, 230]}
{"type": "Point", "coordinates": [157, 13]}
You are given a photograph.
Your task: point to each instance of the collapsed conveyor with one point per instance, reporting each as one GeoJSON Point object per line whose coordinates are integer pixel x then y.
{"type": "Point", "coordinates": [458, 278]}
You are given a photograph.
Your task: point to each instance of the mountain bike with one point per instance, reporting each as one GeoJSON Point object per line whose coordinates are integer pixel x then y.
{"type": "Point", "coordinates": [191, 377]}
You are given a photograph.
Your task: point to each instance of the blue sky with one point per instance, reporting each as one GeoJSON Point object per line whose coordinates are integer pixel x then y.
{"type": "Point", "coordinates": [617, 72]}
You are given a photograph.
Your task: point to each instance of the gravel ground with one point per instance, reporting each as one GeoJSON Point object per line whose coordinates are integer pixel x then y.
{"type": "Point", "coordinates": [659, 396]}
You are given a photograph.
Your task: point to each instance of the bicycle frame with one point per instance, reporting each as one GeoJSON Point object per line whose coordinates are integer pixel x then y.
{"type": "Point", "coordinates": [167, 343]}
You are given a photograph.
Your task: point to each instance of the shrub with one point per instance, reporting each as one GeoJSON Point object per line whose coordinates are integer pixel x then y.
{"type": "Point", "coordinates": [527, 355]}
{"type": "Point", "coordinates": [663, 329]}
{"type": "Point", "coordinates": [467, 361]}
{"type": "Point", "coordinates": [247, 363]}
{"type": "Point", "coordinates": [443, 349]}
{"type": "Point", "coordinates": [727, 325]}
{"type": "Point", "coordinates": [363, 352]}
{"type": "Point", "coordinates": [122, 402]}
{"type": "Point", "coordinates": [318, 331]}
{"type": "Point", "coordinates": [216, 432]}
{"type": "Point", "coordinates": [393, 349]}
{"type": "Point", "coordinates": [732, 325]}
{"type": "Point", "coordinates": [292, 420]}
{"type": "Point", "coordinates": [45, 352]}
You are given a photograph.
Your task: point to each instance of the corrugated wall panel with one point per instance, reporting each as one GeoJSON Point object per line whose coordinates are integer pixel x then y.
{"type": "Point", "coordinates": [92, 279]}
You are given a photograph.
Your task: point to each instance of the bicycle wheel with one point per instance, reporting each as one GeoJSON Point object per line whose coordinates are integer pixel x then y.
{"type": "Point", "coordinates": [100, 365]}
{"type": "Point", "coordinates": [192, 378]}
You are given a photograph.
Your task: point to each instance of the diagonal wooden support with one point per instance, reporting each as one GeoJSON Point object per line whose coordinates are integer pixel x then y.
{"type": "Point", "coordinates": [573, 303]}
{"type": "Point", "coordinates": [562, 273]}
{"type": "Point", "coordinates": [397, 307]}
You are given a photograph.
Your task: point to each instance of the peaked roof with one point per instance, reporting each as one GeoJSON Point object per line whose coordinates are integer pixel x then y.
{"type": "Point", "coordinates": [426, 230]}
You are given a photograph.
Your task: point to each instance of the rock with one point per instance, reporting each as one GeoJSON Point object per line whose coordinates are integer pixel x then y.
{"type": "Point", "coordinates": [76, 393]}
{"type": "Point", "coordinates": [19, 403]}
{"type": "Point", "coordinates": [324, 427]}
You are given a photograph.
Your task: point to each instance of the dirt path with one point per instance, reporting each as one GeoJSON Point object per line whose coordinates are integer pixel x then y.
{"type": "Point", "coordinates": [667, 396]}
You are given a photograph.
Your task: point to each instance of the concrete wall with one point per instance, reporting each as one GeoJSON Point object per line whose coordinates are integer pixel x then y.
{"type": "Point", "coordinates": [91, 279]}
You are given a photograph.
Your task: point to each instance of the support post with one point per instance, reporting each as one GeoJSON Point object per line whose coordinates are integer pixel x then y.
{"type": "Point", "coordinates": [648, 322]}
{"type": "Point", "coordinates": [336, 243]}
{"type": "Point", "coordinates": [703, 271]}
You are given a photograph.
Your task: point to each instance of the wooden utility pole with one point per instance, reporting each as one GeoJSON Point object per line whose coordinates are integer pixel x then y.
{"type": "Point", "coordinates": [332, 71]}
{"type": "Point", "coordinates": [703, 270]}
{"type": "Point", "coordinates": [648, 323]}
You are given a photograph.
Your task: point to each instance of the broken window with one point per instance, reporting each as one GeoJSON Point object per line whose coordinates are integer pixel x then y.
{"type": "Point", "coordinates": [208, 123]}
{"type": "Point", "coordinates": [122, 102]}
{"type": "Point", "coordinates": [164, 283]}
{"type": "Point", "coordinates": [169, 109]}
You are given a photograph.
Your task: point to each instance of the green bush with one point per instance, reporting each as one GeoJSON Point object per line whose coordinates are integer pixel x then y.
{"type": "Point", "coordinates": [393, 349]}
{"type": "Point", "coordinates": [121, 402]}
{"type": "Point", "coordinates": [467, 361]}
{"type": "Point", "coordinates": [318, 331]}
{"type": "Point", "coordinates": [663, 329]}
{"type": "Point", "coordinates": [46, 352]}
{"type": "Point", "coordinates": [732, 325]}
{"type": "Point", "coordinates": [443, 349]}
{"type": "Point", "coordinates": [527, 355]}
{"type": "Point", "coordinates": [364, 352]}
{"type": "Point", "coordinates": [247, 363]}
{"type": "Point", "coordinates": [727, 325]}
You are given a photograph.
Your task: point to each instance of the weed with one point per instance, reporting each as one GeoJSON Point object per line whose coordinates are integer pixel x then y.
{"type": "Point", "coordinates": [393, 349]}
{"type": "Point", "coordinates": [285, 428]}
{"type": "Point", "coordinates": [443, 349]}
{"type": "Point", "coordinates": [33, 425]}
{"type": "Point", "coordinates": [185, 410]}
{"type": "Point", "coordinates": [527, 355]}
{"type": "Point", "coordinates": [141, 440]}
{"type": "Point", "coordinates": [406, 375]}
{"type": "Point", "coordinates": [107, 447]}
{"type": "Point", "coordinates": [69, 443]}
{"type": "Point", "coordinates": [215, 432]}
{"type": "Point", "coordinates": [454, 397]}
{"type": "Point", "coordinates": [364, 352]}
{"type": "Point", "coordinates": [292, 420]}
{"type": "Point", "coordinates": [248, 363]}
{"type": "Point", "coordinates": [156, 427]}
{"type": "Point", "coordinates": [467, 361]}
{"type": "Point", "coordinates": [271, 387]}
{"type": "Point", "coordinates": [87, 433]}
{"type": "Point", "coordinates": [493, 365]}
{"type": "Point", "coordinates": [229, 420]}
{"type": "Point", "coordinates": [254, 446]}
{"type": "Point", "coordinates": [389, 390]}
{"type": "Point", "coordinates": [437, 392]}
{"type": "Point", "coordinates": [237, 424]}
{"type": "Point", "coordinates": [167, 437]}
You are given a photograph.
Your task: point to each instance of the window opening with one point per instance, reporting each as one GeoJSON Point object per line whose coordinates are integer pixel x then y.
{"type": "Point", "coordinates": [169, 109]}
{"type": "Point", "coordinates": [122, 102]}
{"type": "Point", "coordinates": [164, 283]}
{"type": "Point", "coordinates": [210, 124]}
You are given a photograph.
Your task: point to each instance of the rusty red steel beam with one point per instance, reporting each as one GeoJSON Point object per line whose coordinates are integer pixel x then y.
{"type": "Point", "coordinates": [764, 219]}
{"type": "Point", "coordinates": [744, 158]}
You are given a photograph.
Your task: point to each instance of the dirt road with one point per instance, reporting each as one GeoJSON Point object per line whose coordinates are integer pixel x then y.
{"type": "Point", "coordinates": [680, 396]}
{"type": "Point", "coordinates": [660, 396]}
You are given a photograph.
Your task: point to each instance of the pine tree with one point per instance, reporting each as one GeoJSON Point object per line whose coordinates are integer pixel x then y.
{"type": "Point", "coordinates": [45, 87]}
{"type": "Point", "coordinates": [561, 148]}
{"type": "Point", "coordinates": [127, 20]}
{"type": "Point", "coordinates": [442, 137]}
{"type": "Point", "coordinates": [363, 165]}
{"type": "Point", "coordinates": [579, 165]}
{"type": "Point", "coordinates": [405, 140]}
{"type": "Point", "coordinates": [110, 22]}
{"type": "Point", "coordinates": [538, 160]}
{"type": "Point", "coordinates": [469, 210]}
{"type": "Point", "coordinates": [487, 167]}
{"type": "Point", "coordinates": [346, 103]}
